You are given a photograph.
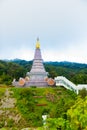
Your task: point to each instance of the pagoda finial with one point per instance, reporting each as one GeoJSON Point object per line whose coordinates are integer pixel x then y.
{"type": "Point", "coordinates": [38, 44]}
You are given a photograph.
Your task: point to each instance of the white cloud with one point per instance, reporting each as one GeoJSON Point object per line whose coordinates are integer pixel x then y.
{"type": "Point", "coordinates": [61, 25]}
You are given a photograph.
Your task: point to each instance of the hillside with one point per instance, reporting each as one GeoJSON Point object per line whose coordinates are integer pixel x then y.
{"type": "Point", "coordinates": [23, 107]}
{"type": "Point", "coordinates": [17, 68]}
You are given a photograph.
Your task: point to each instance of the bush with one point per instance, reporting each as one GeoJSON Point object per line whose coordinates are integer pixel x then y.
{"type": "Point", "coordinates": [33, 86]}
{"type": "Point", "coordinates": [10, 123]}
{"type": "Point", "coordinates": [1, 124]}
{"type": "Point", "coordinates": [83, 93]}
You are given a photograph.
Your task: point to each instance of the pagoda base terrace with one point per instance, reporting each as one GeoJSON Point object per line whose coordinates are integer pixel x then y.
{"type": "Point", "coordinates": [32, 83]}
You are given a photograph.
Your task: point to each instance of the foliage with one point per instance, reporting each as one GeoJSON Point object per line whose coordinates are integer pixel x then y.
{"type": "Point", "coordinates": [10, 123]}
{"type": "Point", "coordinates": [26, 105]}
{"type": "Point", "coordinates": [9, 71]}
{"type": "Point", "coordinates": [17, 68]}
{"type": "Point", "coordinates": [3, 129]}
{"type": "Point", "coordinates": [83, 93]}
{"type": "Point", "coordinates": [64, 109]}
{"type": "Point", "coordinates": [76, 117]}
{"type": "Point", "coordinates": [58, 103]}
{"type": "Point", "coordinates": [35, 102]}
{"type": "Point", "coordinates": [58, 124]}
{"type": "Point", "coordinates": [2, 91]}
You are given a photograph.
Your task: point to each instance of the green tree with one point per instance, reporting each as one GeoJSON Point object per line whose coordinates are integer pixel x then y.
{"type": "Point", "coordinates": [77, 115]}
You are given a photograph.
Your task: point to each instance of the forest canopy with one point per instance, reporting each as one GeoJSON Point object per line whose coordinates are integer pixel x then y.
{"type": "Point", "coordinates": [10, 69]}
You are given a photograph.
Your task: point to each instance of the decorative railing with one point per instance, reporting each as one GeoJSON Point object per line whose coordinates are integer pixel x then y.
{"type": "Point", "coordinates": [62, 81]}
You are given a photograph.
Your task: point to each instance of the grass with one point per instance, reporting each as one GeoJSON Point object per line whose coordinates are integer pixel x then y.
{"type": "Point", "coordinates": [2, 91]}
{"type": "Point", "coordinates": [49, 100]}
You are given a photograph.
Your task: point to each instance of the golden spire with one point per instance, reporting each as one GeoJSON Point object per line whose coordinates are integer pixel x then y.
{"type": "Point", "coordinates": [37, 44]}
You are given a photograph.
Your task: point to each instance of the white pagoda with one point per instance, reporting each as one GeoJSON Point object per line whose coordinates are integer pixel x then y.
{"type": "Point", "coordinates": [37, 75]}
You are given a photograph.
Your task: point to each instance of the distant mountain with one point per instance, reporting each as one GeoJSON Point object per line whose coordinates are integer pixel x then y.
{"type": "Point", "coordinates": [53, 63]}
{"type": "Point", "coordinates": [67, 64]}
{"type": "Point", "coordinates": [18, 61]}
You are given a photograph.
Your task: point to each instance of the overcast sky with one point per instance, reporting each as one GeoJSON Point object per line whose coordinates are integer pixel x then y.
{"type": "Point", "coordinates": [61, 26]}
